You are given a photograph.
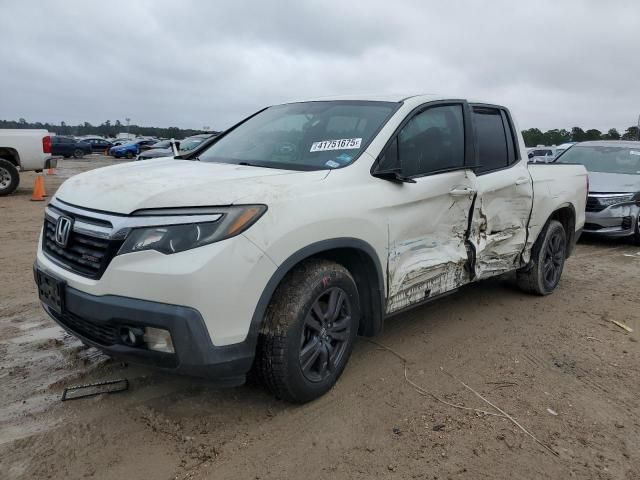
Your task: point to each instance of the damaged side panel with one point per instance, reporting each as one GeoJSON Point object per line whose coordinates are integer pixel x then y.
{"type": "Point", "coordinates": [499, 228]}
{"type": "Point", "coordinates": [427, 252]}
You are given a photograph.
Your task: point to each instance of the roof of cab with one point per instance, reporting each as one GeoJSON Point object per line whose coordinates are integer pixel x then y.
{"type": "Point", "coordinates": [389, 97]}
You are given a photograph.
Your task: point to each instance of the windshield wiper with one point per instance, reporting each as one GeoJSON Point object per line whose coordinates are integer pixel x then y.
{"type": "Point", "coordinates": [259, 165]}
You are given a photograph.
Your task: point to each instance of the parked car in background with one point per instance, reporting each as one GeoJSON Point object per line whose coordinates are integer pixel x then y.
{"type": "Point", "coordinates": [301, 227]}
{"type": "Point", "coordinates": [162, 144]}
{"type": "Point", "coordinates": [564, 146]}
{"type": "Point", "coordinates": [99, 144]}
{"type": "Point", "coordinates": [23, 150]}
{"type": "Point", "coordinates": [68, 147]}
{"type": "Point", "coordinates": [131, 149]}
{"type": "Point", "coordinates": [183, 146]}
{"type": "Point", "coordinates": [613, 205]}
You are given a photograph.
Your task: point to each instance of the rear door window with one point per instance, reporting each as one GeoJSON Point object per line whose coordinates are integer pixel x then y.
{"type": "Point", "coordinates": [493, 149]}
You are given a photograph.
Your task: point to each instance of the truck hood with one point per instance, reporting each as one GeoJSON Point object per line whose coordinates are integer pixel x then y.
{"type": "Point", "coordinates": [177, 183]}
{"type": "Point", "coordinates": [600, 182]}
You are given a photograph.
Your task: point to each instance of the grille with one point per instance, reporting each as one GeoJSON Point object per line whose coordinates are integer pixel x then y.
{"type": "Point", "coordinates": [84, 254]}
{"type": "Point", "coordinates": [593, 205]}
{"type": "Point", "coordinates": [100, 334]}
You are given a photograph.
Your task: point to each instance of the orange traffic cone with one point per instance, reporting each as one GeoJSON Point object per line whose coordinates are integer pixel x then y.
{"type": "Point", "coordinates": [38, 189]}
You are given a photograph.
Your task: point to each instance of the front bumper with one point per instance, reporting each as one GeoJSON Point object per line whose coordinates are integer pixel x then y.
{"type": "Point", "coordinates": [96, 320]}
{"type": "Point", "coordinates": [614, 221]}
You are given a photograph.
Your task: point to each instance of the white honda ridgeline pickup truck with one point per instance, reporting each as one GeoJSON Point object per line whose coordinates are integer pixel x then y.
{"type": "Point", "coordinates": [276, 243]}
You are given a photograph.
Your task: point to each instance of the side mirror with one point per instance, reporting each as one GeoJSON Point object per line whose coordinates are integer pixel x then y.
{"type": "Point", "coordinates": [530, 155]}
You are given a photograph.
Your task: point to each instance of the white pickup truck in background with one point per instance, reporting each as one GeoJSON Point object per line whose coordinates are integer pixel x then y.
{"type": "Point", "coordinates": [22, 151]}
{"type": "Point", "coordinates": [274, 244]}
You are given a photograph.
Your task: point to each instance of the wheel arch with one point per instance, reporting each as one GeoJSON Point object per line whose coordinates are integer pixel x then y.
{"type": "Point", "coordinates": [566, 215]}
{"type": "Point", "coordinates": [354, 254]}
{"type": "Point", "coordinates": [11, 155]}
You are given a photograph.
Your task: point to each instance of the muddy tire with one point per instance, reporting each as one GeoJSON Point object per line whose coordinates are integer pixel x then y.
{"type": "Point", "coordinates": [9, 177]}
{"type": "Point", "coordinates": [309, 331]}
{"type": "Point", "coordinates": [542, 275]}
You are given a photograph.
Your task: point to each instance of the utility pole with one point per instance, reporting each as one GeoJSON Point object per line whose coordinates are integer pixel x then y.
{"type": "Point", "coordinates": [127, 120]}
{"type": "Point", "coordinates": [638, 131]}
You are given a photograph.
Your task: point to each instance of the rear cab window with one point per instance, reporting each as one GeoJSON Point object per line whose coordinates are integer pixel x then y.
{"type": "Point", "coordinates": [496, 145]}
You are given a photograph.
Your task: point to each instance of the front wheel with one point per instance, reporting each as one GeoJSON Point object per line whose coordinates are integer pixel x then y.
{"type": "Point", "coordinates": [78, 153]}
{"type": "Point", "coordinates": [309, 331]}
{"type": "Point", "coordinates": [543, 274]}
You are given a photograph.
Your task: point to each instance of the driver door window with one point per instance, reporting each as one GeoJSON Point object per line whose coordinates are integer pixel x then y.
{"type": "Point", "coordinates": [432, 141]}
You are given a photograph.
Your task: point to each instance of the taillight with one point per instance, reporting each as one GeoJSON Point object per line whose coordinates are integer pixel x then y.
{"type": "Point", "coordinates": [46, 144]}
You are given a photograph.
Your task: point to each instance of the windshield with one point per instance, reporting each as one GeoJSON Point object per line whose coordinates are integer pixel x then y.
{"type": "Point", "coordinates": [614, 159]}
{"type": "Point", "coordinates": [303, 136]}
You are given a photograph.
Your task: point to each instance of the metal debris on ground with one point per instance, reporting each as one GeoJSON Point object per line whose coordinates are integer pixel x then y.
{"type": "Point", "coordinates": [92, 389]}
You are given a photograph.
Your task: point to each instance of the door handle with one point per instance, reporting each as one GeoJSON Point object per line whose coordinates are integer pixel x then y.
{"type": "Point", "coordinates": [522, 181]}
{"type": "Point", "coordinates": [461, 192]}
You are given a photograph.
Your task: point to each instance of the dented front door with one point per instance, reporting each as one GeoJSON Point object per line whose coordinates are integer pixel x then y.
{"type": "Point", "coordinates": [428, 221]}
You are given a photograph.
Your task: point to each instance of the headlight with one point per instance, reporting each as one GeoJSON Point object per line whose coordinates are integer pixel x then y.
{"type": "Point", "coordinates": [178, 238]}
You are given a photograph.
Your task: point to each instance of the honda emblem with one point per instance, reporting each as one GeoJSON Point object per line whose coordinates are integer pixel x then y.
{"type": "Point", "coordinates": [63, 230]}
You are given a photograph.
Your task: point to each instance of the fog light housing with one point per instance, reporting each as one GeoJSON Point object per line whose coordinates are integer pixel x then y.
{"type": "Point", "coordinates": [131, 336]}
{"type": "Point", "coordinates": [158, 340]}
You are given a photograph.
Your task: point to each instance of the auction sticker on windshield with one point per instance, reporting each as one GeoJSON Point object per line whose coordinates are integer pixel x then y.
{"type": "Point", "coordinates": [340, 144]}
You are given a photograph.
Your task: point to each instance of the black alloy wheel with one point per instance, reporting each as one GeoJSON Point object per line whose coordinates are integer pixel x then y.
{"type": "Point", "coordinates": [326, 330]}
{"type": "Point", "coordinates": [553, 259]}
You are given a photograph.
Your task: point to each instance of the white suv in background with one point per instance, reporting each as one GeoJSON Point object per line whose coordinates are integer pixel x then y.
{"type": "Point", "coordinates": [274, 244]}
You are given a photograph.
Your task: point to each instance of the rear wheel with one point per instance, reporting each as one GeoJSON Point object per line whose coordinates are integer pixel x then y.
{"type": "Point", "coordinates": [309, 331]}
{"type": "Point", "coordinates": [543, 274]}
{"type": "Point", "coordinates": [9, 177]}
{"type": "Point", "coordinates": [78, 153]}
{"type": "Point", "coordinates": [129, 155]}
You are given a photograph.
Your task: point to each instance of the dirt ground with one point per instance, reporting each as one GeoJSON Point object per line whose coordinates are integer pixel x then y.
{"type": "Point", "coordinates": [557, 365]}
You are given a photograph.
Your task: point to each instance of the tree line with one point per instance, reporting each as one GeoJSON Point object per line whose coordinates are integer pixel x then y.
{"type": "Point", "coordinates": [105, 129]}
{"type": "Point", "coordinates": [532, 136]}
{"type": "Point", "coordinates": [535, 136]}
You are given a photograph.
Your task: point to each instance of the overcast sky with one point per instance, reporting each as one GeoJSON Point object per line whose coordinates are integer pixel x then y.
{"type": "Point", "coordinates": [187, 63]}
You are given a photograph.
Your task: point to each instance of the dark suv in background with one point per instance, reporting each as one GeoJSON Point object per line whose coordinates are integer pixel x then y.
{"type": "Point", "coordinates": [99, 145]}
{"type": "Point", "coordinates": [69, 147]}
